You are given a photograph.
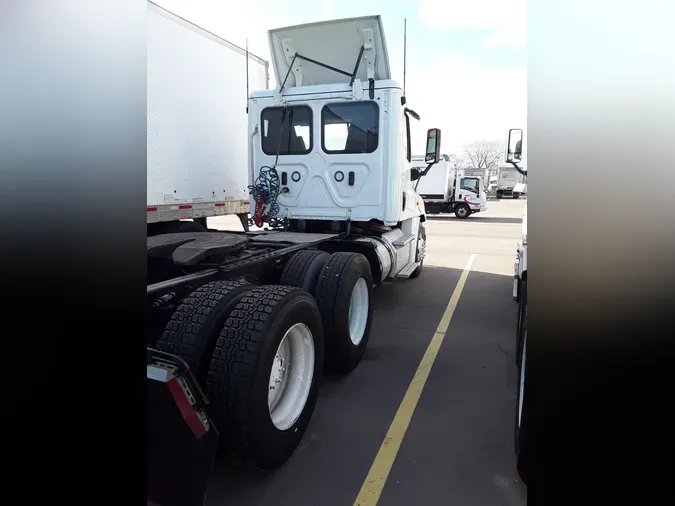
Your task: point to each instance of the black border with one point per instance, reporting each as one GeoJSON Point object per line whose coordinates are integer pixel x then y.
{"type": "Point", "coordinates": [73, 257]}
{"type": "Point", "coordinates": [72, 262]}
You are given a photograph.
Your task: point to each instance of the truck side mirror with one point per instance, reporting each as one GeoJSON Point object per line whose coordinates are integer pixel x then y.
{"type": "Point", "coordinates": [415, 174]}
{"type": "Point", "coordinates": [514, 145]}
{"type": "Point", "coordinates": [433, 152]}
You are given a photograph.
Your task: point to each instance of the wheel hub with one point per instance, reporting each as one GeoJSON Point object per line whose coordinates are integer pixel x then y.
{"type": "Point", "coordinates": [421, 248]}
{"type": "Point", "coordinates": [358, 311]}
{"type": "Point", "coordinates": [291, 376]}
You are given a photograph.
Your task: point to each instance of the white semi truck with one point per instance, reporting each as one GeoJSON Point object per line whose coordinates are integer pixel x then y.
{"type": "Point", "coordinates": [507, 180]}
{"type": "Point", "coordinates": [241, 324]}
{"type": "Point", "coordinates": [513, 156]}
{"type": "Point", "coordinates": [445, 189]}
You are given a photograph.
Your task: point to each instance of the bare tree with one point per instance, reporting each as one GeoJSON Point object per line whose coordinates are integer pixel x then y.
{"type": "Point", "coordinates": [484, 154]}
{"type": "Point", "coordinates": [458, 161]}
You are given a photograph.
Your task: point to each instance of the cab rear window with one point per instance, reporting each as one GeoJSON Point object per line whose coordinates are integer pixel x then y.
{"type": "Point", "coordinates": [350, 127]}
{"type": "Point", "coordinates": [286, 130]}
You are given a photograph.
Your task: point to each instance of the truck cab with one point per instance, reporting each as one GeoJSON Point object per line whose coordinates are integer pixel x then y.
{"type": "Point", "coordinates": [470, 189]}
{"type": "Point", "coordinates": [335, 130]}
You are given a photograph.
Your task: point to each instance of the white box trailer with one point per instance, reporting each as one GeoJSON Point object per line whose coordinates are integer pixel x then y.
{"type": "Point", "coordinates": [197, 120]}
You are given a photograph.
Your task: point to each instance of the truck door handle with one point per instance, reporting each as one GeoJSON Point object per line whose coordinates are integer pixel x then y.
{"type": "Point", "coordinates": [284, 178]}
{"type": "Point", "coordinates": [351, 178]}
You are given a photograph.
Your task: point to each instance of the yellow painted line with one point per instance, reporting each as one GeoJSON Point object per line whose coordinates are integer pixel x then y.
{"type": "Point", "coordinates": [379, 471]}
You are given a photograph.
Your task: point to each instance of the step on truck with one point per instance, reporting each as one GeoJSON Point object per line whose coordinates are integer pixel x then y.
{"type": "Point", "coordinates": [241, 325]}
{"type": "Point", "coordinates": [446, 189]}
{"type": "Point", "coordinates": [522, 426]}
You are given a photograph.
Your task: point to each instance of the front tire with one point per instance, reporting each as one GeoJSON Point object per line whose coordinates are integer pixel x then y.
{"type": "Point", "coordinates": [421, 251]}
{"type": "Point", "coordinates": [462, 211]}
{"type": "Point", "coordinates": [250, 361]}
{"type": "Point", "coordinates": [344, 292]}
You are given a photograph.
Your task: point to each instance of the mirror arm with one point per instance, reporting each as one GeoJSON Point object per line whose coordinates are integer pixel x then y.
{"type": "Point", "coordinates": [426, 171]}
{"type": "Point", "coordinates": [523, 172]}
{"type": "Point", "coordinates": [422, 174]}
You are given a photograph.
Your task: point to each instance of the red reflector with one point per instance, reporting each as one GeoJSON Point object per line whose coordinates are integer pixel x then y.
{"type": "Point", "coordinates": [247, 203]}
{"type": "Point", "coordinates": [185, 408]}
{"type": "Point", "coordinates": [152, 209]}
{"type": "Point", "coordinates": [185, 206]}
{"type": "Point", "coordinates": [220, 204]}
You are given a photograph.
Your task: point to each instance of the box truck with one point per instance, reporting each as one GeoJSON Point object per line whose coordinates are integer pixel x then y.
{"type": "Point", "coordinates": [446, 189]}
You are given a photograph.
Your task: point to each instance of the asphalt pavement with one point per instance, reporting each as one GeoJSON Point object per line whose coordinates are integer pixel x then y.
{"type": "Point", "coordinates": [437, 386]}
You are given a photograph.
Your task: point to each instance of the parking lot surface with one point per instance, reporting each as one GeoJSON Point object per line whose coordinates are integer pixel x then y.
{"type": "Point", "coordinates": [437, 386]}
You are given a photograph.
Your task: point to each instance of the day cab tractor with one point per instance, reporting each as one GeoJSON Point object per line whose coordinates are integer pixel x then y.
{"type": "Point", "coordinates": [242, 324]}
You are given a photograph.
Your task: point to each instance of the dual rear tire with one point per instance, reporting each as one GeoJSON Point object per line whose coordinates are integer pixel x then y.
{"type": "Point", "coordinates": [258, 351]}
{"type": "Point", "coordinates": [258, 354]}
{"type": "Point", "coordinates": [342, 284]}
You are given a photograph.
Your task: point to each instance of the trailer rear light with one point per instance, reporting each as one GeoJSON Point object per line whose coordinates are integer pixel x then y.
{"type": "Point", "coordinates": [247, 203]}
{"type": "Point", "coordinates": [152, 209]}
{"type": "Point", "coordinates": [220, 204]}
{"type": "Point", "coordinates": [185, 206]}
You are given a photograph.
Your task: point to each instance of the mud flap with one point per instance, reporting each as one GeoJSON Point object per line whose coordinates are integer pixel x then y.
{"type": "Point", "coordinates": [181, 438]}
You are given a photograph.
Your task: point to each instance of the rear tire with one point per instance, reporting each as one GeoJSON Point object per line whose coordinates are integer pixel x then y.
{"type": "Point", "coordinates": [243, 362]}
{"type": "Point", "coordinates": [462, 211]}
{"type": "Point", "coordinates": [303, 269]}
{"type": "Point", "coordinates": [192, 331]}
{"type": "Point", "coordinates": [344, 292]}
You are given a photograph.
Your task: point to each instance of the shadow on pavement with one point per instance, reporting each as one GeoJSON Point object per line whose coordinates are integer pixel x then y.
{"type": "Point", "coordinates": [459, 445]}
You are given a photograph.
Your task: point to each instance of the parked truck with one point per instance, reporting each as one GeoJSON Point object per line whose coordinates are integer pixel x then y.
{"type": "Point", "coordinates": [522, 426]}
{"type": "Point", "coordinates": [446, 189]}
{"type": "Point", "coordinates": [241, 325]}
{"type": "Point", "coordinates": [197, 121]}
{"type": "Point", "coordinates": [507, 179]}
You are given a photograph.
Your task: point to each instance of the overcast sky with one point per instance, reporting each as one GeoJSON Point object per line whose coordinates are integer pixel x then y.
{"type": "Point", "coordinates": [467, 66]}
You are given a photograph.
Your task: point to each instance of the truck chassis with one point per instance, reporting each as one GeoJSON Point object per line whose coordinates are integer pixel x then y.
{"type": "Point", "coordinates": [221, 305]}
